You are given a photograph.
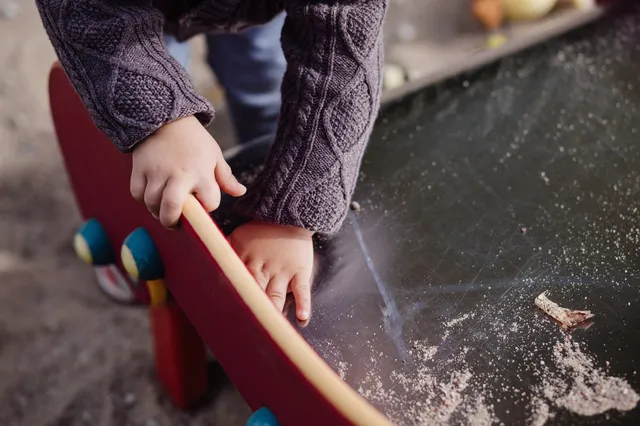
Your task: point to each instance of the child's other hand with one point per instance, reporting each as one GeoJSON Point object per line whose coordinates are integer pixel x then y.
{"type": "Point", "coordinates": [281, 260]}
{"type": "Point", "coordinates": [179, 159]}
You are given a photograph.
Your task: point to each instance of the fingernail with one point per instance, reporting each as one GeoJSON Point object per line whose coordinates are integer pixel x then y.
{"type": "Point", "coordinates": [303, 315]}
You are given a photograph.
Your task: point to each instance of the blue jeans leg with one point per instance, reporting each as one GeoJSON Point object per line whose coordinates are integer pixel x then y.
{"type": "Point", "coordinates": [250, 66]}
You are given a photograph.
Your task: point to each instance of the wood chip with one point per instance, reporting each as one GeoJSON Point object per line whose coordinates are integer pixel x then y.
{"type": "Point", "coordinates": [566, 318]}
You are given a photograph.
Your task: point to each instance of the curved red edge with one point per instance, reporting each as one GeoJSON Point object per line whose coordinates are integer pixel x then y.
{"type": "Point", "coordinates": [257, 366]}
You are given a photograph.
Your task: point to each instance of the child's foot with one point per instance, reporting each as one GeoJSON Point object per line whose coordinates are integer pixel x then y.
{"type": "Point", "coordinates": [281, 260]}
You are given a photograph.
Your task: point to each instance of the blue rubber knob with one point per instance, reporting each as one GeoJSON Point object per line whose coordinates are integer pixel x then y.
{"type": "Point", "coordinates": [140, 256]}
{"type": "Point", "coordinates": [92, 245]}
{"type": "Point", "coordinates": [262, 417]}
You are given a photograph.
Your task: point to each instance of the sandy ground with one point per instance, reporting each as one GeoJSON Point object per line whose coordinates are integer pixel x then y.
{"type": "Point", "coordinates": [68, 355]}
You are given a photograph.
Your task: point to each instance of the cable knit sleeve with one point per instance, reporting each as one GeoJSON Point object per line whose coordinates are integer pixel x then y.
{"type": "Point", "coordinates": [331, 94]}
{"type": "Point", "coordinates": [115, 56]}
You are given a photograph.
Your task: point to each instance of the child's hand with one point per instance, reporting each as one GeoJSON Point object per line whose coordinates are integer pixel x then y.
{"type": "Point", "coordinates": [281, 259]}
{"type": "Point", "coordinates": [179, 159]}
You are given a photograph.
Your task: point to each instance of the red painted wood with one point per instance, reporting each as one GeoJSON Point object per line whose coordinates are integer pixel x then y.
{"type": "Point", "coordinates": [180, 355]}
{"type": "Point", "coordinates": [253, 361]}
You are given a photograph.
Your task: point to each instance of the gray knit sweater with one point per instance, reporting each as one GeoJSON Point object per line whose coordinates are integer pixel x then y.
{"type": "Point", "coordinates": [114, 54]}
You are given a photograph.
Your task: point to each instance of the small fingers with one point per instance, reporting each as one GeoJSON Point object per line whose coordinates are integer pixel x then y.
{"type": "Point", "coordinates": [277, 290]}
{"type": "Point", "coordinates": [153, 195]}
{"type": "Point", "coordinates": [208, 193]}
{"type": "Point", "coordinates": [173, 199]}
{"type": "Point", "coordinates": [227, 181]}
{"type": "Point", "coordinates": [301, 289]}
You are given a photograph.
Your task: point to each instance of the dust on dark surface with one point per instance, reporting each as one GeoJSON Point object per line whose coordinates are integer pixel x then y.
{"type": "Point", "coordinates": [477, 196]}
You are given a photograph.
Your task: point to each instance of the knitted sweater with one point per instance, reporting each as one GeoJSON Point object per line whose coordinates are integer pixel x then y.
{"type": "Point", "coordinates": [114, 55]}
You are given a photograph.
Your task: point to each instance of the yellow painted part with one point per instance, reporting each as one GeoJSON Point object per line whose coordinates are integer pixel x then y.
{"type": "Point", "coordinates": [81, 247]}
{"type": "Point", "coordinates": [496, 40]}
{"type": "Point", "coordinates": [129, 262]}
{"type": "Point", "coordinates": [157, 292]}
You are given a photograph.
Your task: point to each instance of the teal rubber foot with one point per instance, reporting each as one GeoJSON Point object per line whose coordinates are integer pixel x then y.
{"type": "Point", "coordinates": [92, 245]}
{"type": "Point", "coordinates": [140, 257]}
{"type": "Point", "coordinates": [262, 417]}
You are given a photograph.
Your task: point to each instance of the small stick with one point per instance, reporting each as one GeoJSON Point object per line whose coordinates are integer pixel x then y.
{"type": "Point", "coordinates": [566, 318]}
